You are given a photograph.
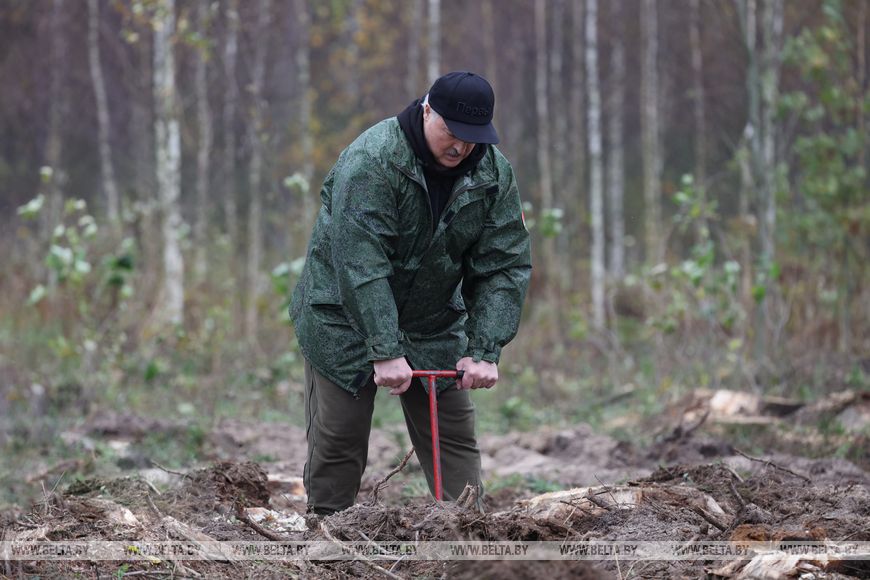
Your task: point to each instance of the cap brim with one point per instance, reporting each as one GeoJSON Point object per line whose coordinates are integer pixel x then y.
{"type": "Point", "coordinates": [472, 133]}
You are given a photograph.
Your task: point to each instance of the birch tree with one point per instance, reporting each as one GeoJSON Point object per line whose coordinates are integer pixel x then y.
{"type": "Point", "coordinates": [596, 194]}
{"type": "Point", "coordinates": [433, 55]}
{"type": "Point", "coordinates": [255, 170]}
{"type": "Point", "coordinates": [230, 105]}
{"type": "Point", "coordinates": [616, 152]}
{"type": "Point", "coordinates": [577, 135]}
{"type": "Point", "coordinates": [698, 95]}
{"type": "Point", "coordinates": [170, 307]}
{"type": "Point", "coordinates": [557, 90]}
{"type": "Point", "coordinates": [544, 142]}
{"type": "Point", "coordinates": [762, 83]}
{"type": "Point", "coordinates": [415, 32]}
{"type": "Point", "coordinates": [652, 162]}
{"type": "Point", "coordinates": [487, 17]}
{"type": "Point", "coordinates": [303, 81]}
{"type": "Point", "coordinates": [203, 151]}
{"type": "Point", "coordinates": [55, 176]}
{"type": "Point", "coordinates": [107, 172]}
{"type": "Point", "coordinates": [772, 23]}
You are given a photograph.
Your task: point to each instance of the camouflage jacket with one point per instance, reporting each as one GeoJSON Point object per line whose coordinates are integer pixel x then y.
{"type": "Point", "coordinates": [378, 284]}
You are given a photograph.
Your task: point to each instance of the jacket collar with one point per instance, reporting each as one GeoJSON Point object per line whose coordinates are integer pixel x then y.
{"type": "Point", "coordinates": [404, 158]}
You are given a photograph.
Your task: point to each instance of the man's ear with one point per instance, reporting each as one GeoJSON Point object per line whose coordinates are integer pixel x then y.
{"type": "Point", "coordinates": [427, 110]}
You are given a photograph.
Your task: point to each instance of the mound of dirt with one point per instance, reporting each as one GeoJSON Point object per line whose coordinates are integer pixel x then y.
{"type": "Point", "coordinates": [607, 490]}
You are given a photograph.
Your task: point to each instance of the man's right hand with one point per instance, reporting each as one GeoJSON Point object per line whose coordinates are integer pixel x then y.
{"type": "Point", "coordinates": [394, 374]}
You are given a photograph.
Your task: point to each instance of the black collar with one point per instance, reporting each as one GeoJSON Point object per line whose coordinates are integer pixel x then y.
{"type": "Point", "coordinates": [411, 122]}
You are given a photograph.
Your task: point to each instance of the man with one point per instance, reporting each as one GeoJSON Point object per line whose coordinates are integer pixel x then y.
{"type": "Point", "coordinates": [419, 258]}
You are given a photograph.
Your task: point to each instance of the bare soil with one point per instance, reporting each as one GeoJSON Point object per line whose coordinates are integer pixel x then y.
{"type": "Point", "coordinates": [775, 497]}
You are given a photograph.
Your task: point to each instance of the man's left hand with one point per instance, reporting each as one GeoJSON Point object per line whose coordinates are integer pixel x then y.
{"type": "Point", "coordinates": [478, 375]}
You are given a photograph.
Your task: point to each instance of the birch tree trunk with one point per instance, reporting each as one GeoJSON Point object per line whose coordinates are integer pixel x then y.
{"type": "Point", "coordinates": [768, 87]}
{"type": "Point", "coordinates": [303, 80]}
{"type": "Point", "coordinates": [257, 139]}
{"type": "Point", "coordinates": [434, 53]}
{"type": "Point", "coordinates": [170, 308]}
{"type": "Point", "coordinates": [203, 152]}
{"type": "Point", "coordinates": [54, 141]}
{"type": "Point", "coordinates": [749, 153]}
{"type": "Point", "coordinates": [230, 105]}
{"type": "Point", "coordinates": [616, 154]}
{"type": "Point", "coordinates": [107, 172]}
{"type": "Point", "coordinates": [544, 141]}
{"type": "Point", "coordinates": [577, 136]}
{"type": "Point", "coordinates": [698, 96]}
{"type": "Point", "coordinates": [652, 163]}
{"type": "Point", "coordinates": [596, 201]}
{"type": "Point", "coordinates": [849, 290]}
{"type": "Point", "coordinates": [144, 148]}
{"type": "Point", "coordinates": [353, 69]}
{"type": "Point", "coordinates": [772, 19]}
{"type": "Point", "coordinates": [556, 92]}
{"type": "Point", "coordinates": [415, 32]}
{"type": "Point", "coordinates": [489, 43]}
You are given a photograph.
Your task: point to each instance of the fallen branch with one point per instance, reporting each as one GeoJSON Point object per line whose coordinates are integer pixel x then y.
{"type": "Point", "coordinates": [380, 485]}
{"type": "Point", "coordinates": [244, 518]}
{"type": "Point", "coordinates": [737, 495]}
{"type": "Point", "coordinates": [772, 464]}
{"type": "Point", "coordinates": [167, 470]}
{"type": "Point", "coordinates": [710, 519]}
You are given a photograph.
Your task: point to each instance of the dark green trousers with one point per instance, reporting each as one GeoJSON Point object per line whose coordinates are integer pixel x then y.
{"type": "Point", "coordinates": [337, 430]}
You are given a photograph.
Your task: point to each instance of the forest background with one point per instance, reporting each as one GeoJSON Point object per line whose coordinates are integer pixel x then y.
{"type": "Point", "coordinates": [694, 175]}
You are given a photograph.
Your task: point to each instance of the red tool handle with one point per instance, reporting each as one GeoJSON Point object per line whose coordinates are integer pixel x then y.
{"type": "Point", "coordinates": [433, 421]}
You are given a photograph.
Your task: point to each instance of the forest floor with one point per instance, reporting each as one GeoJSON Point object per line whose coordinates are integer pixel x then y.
{"type": "Point", "coordinates": [692, 483]}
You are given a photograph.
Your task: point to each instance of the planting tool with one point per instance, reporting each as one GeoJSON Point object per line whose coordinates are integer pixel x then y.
{"type": "Point", "coordinates": [433, 421]}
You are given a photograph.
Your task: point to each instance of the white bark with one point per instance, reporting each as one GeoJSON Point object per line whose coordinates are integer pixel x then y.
{"type": "Point", "coordinates": [556, 90]}
{"type": "Point", "coordinates": [577, 138]}
{"type": "Point", "coordinates": [434, 52]}
{"type": "Point", "coordinates": [231, 98]}
{"type": "Point", "coordinates": [616, 153]}
{"type": "Point", "coordinates": [489, 43]}
{"type": "Point", "coordinates": [56, 113]}
{"type": "Point", "coordinates": [542, 106]}
{"type": "Point", "coordinates": [652, 162]}
{"type": "Point", "coordinates": [257, 139]}
{"type": "Point", "coordinates": [772, 18]}
{"type": "Point", "coordinates": [595, 165]}
{"type": "Point", "coordinates": [203, 152]}
{"type": "Point", "coordinates": [303, 68]}
{"type": "Point", "coordinates": [415, 32]}
{"type": "Point", "coordinates": [545, 166]}
{"type": "Point", "coordinates": [353, 71]}
{"type": "Point", "coordinates": [107, 172]}
{"type": "Point", "coordinates": [168, 145]}
{"type": "Point", "coordinates": [698, 94]}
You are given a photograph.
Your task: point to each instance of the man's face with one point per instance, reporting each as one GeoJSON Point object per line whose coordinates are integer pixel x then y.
{"type": "Point", "coordinates": [445, 147]}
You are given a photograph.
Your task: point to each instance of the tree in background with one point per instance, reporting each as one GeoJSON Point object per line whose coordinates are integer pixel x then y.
{"type": "Point", "coordinates": [616, 151]}
{"type": "Point", "coordinates": [170, 306]}
{"type": "Point", "coordinates": [829, 159]}
{"type": "Point", "coordinates": [257, 140]}
{"type": "Point", "coordinates": [205, 143]}
{"type": "Point", "coordinates": [107, 171]}
{"type": "Point", "coordinates": [650, 111]}
{"type": "Point", "coordinates": [596, 165]}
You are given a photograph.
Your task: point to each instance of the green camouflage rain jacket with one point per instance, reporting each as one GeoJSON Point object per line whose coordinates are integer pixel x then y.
{"type": "Point", "coordinates": [378, 284]}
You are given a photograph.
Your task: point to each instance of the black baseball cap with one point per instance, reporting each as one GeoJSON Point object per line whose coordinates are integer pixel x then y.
{"type": "Point", "coordinates": [466, 102]}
